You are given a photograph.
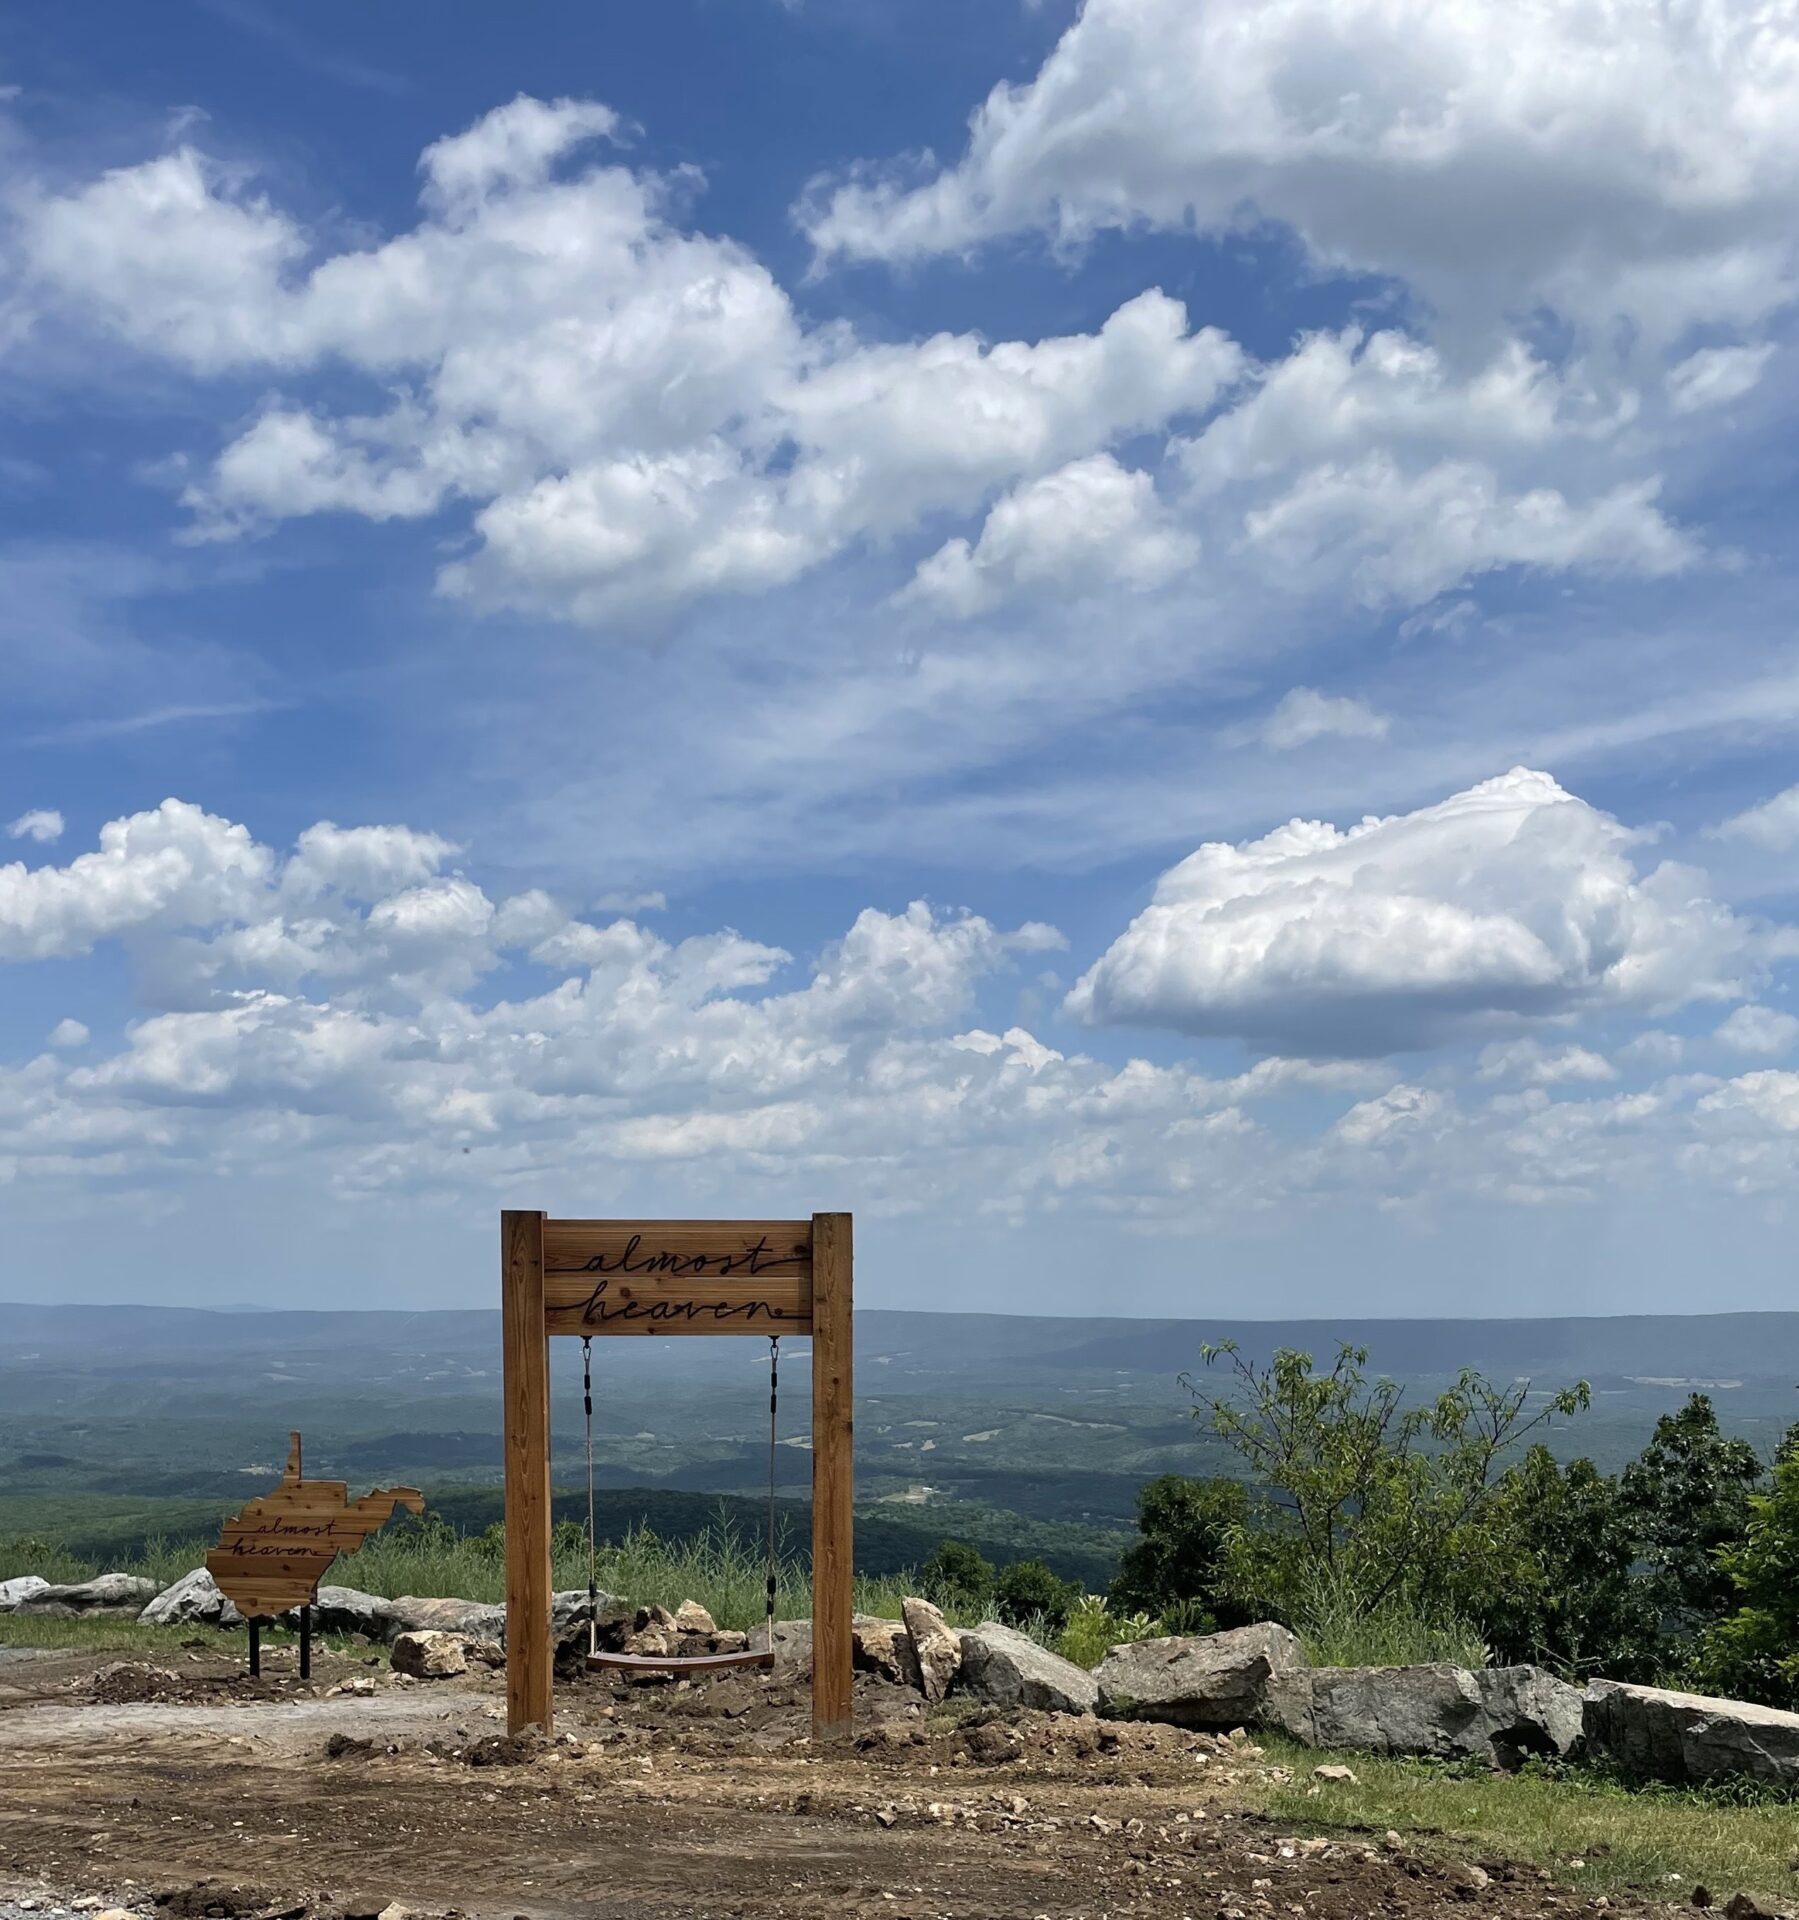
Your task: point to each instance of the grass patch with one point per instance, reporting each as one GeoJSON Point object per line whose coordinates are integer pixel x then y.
{"type": "Point", "coordinates": [1594, 1834]}
{"type": "Point", "coordinates": [722, 1566]}
{"type": "Point", "coordinates": [1337, 1630]}
{"type": "Point", "coordinates": [89, 1635]}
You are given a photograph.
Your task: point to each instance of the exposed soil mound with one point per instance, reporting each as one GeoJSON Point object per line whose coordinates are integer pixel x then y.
{"type": "Point", "coordinates": [128, 1683]}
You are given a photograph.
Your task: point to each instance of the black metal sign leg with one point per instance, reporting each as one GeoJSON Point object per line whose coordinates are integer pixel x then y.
{"type": "Point", "coordinates": [255, 1649]}
{"type": "Point", "coordinates": [305, 1643]}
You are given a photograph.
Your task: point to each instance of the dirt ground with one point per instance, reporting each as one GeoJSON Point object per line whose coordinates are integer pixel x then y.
{"type": "Point", "coordinates": [186, 1786]}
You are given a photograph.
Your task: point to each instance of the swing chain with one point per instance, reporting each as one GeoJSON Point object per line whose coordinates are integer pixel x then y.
{"type": "Point", "coordinates": [593, 1558]}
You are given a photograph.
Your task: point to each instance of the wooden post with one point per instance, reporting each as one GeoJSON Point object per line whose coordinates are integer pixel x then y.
{"type": "Point", "coordinates": [833, 1475]}
{"type": "Point", "coordinates": [526, 1390]}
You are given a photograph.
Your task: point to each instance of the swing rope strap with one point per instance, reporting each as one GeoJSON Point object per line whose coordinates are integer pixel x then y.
{"type": "Point", "coordinates": [593, 1548]}
{"type": "Point", "coordinates": [774, 1404]}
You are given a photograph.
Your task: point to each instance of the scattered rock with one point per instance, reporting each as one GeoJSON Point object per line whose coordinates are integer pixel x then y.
{"type": "Point", "coordinates": [1657, 1734]}
{"type": "Point", "coordinates": [430, 1655]}
{"type": "Point", "coordinates": [936, 1647]}
{"type": "Point", "coordinates": [193, 1600]}
{"type": "Point", "coordinates": [507, 1749]}
{"type": "Point", "coordinates": [345, 1746]}
{"type": "Point", "coordinates": [991, 1744]}
{"type": "Point", "coordinates": [359, 1687]}
{"type": "Point", "coordinates": [1468, 1880]}
{"type": "Point", "coordinates": [1334, 1773]}
{"type": "Point", "coordinates": [214, 1900]}
{"type": "Point", "coordinates": [691, 1617]}
{"type": "Point", "coordinates": [1742, 1906]}
{"type": "Point", "coordinates": [1008, 1669]}
{"type": "Point", "coordinates": [884, 1647]}
{"type": "Point", "coordinates": [1207, 1680]}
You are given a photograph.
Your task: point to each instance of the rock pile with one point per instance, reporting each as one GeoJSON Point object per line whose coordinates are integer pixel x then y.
{"type": "Point", "coordinates": [1254, 1676]}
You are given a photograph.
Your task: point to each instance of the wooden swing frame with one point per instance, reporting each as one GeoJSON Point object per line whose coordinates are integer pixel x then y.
{"type": "Point", "coordinates": [665, 1277]}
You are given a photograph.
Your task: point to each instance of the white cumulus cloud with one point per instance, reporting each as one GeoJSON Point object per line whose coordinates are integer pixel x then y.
{"type": "Point", "coordinates": [1773, 825]}
{"type": "Point", "coordinates": [42, 824]}
{"type": "Point", "coordinates": [1762, 1031]}
{"type": "Point", "coordinates": [1086, 528]}
{"type": "Point", "coordinates": [1304, 714]}
{"type": "Point", "coordinates": [1514, 900]}
{"type": "Point", "coordinates": [1620, 158]}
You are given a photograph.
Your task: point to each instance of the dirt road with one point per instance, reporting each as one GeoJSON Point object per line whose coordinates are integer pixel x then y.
{"type": "Point", "coordinates": [226, 1796]}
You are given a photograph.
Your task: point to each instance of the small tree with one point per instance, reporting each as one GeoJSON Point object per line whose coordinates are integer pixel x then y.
{"type": "Point", "coordinates": [1688, 1495]}
{"type": "Point", "coordinates": [1753, 1653]}
{"type": "Point", "coordinates": [956, 1576]}
{"type": "Point", "coordinates": [1364, 1499]}
{"type": "Point", "coordinates": [1178, 1562]}
{"type": "Point", "coordinates": [1028, 1590]}
{"type": "Point", "coordinates": [1551, 1579]}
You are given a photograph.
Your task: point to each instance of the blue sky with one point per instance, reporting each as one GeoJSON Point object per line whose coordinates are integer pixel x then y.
{"type": "Point", "coordinates": [1149, 642]}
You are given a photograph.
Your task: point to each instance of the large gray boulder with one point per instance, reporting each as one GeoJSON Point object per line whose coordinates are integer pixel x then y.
{"type": "Point", "coordinates": [569, 1607]}
{"type": "Point", "coordinates": [413, 1613]}
{"type": "Point", "coordinates": [193, 1600]}
{"type": "Point", "coordinates": [1661, 1735]}
{"type": "Point", "coordinates": [1007, 1668]}
{"type": "Point", "coordinates": [22, 1587]}
{"type": "Point", "coordinates": [1499, 1715]}
{"type": "Point", "coordinates": [350, 1610]}
{"type": "Point", "coordinates": [110, 1593]}
{"type": "Point", "coordinates": [1205, 1680]}
{"type": "Point", "coordinates": [793, 1648]}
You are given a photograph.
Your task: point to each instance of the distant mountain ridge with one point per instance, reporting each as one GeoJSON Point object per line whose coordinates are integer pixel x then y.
{"type": "Point", "coordinates": [1679, 1348]}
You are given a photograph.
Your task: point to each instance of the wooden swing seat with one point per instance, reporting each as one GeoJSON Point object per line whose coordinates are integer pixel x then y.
{"type": "Point", "coordinates": [677, 1662]}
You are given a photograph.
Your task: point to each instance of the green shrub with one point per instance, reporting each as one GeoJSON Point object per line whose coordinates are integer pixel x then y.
{"type": "Point", "coordinates": [23, 1553]}
{"type": "Point", "coordinates": [1186, 1529]}
{"type": "Point", "coordinates": [956, 1576]}
{"type": "Point", "coordinates": [1092, 1629]}
{"type": "Point", "coordinates": [1753, 1652]}
{"type": "Point", "coordinates": [1027, 1589]}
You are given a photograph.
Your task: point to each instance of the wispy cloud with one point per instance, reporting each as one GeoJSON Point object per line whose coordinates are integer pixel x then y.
{"type": "Point", "coordinates": [305, 51]}
{"type": "Point", "coordinates": [118, 726]}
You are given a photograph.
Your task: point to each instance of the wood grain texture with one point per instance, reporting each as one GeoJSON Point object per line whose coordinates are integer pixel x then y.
{"type": "Point", "coordinates": [678, 1276]}
{"type": "Point", "coordinates": [272, 1555]}
{"type": "Point", "coordinates": [526, 1395]}
{"type": "Point", "coordinates": [833, 1478]}
{"type": "Point", "coordinates": [675, 1662]}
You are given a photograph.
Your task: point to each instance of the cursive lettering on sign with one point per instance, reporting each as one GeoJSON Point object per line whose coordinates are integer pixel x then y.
{"type": "Point", "coordinates": [596, 1310]}
{"type": "Point", "coordinates": [757, 1259]}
